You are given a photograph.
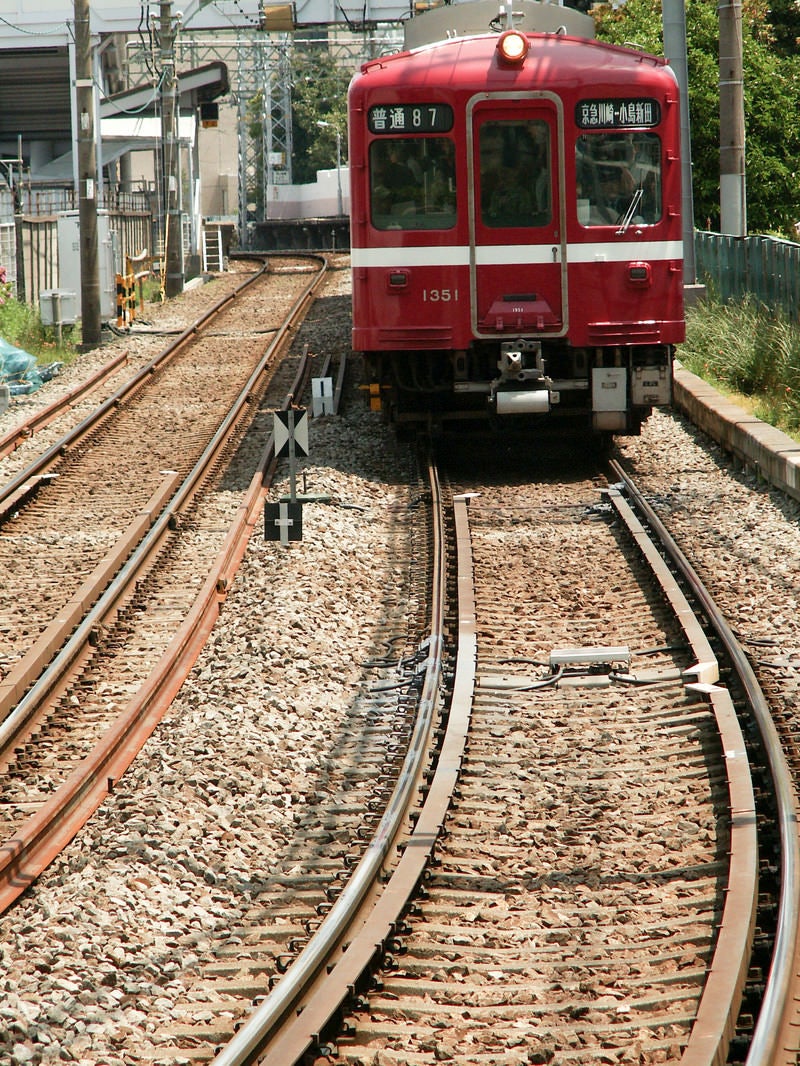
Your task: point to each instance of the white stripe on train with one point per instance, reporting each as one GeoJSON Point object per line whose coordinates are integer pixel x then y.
{"type": "Point", "coordinates": [456, 255]}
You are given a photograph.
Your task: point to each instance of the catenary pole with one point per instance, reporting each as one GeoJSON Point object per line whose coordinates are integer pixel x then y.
{"type": "Point", "coordinates": [170, 178]}
{"type": "Point", "coordinates": [87, 179]}
{"type": "Point", "coordinates": [674, 28]}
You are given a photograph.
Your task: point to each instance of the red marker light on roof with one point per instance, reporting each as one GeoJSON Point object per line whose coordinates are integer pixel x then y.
{"type": "Point", "coordinates": [513, 47]}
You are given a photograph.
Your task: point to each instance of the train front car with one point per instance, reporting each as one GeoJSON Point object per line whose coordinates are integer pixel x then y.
{"type": "Point", "coordinates": [516, 229]}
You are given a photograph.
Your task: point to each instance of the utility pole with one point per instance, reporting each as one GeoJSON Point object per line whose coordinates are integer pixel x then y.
{"type": "Point", "coordinates": [170, 160]}
{"type": "Point", "coordinates": [87, 179]}
{"type": "Point", "coordinates": [673, 16]}
{"type": "Point", "coordinates": [732, 188]}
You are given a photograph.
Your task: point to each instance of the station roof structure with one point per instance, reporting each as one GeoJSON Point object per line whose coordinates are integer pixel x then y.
{"type": "Point", "coordinates": [195, 87]}
{"type": "Point", "coordinates": [37, 80]}
{"type": "Point", "coordinates": [43, 111]}
{"type": "Point", "coordinates": [36, 37]}
{"type": "Point", "coordinates": [28, 23]}
{"type": "Point", "coordinates": [128, 120]}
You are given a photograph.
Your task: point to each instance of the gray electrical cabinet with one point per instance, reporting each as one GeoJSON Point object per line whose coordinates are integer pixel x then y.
{"type": "Point", "coordinates": [69, 258]}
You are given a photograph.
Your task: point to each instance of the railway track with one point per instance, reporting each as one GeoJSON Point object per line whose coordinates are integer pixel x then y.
{"type": "Point", "coordinates": [580, 880]}
{"type": "Point", "coordinates": [478, 954]}
{"type": "Point", "coordinates": [101, 627]}
{"type": "Point", "coordinates": [15, 437]}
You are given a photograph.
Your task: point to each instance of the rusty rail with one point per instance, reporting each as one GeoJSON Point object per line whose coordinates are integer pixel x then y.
{"type": "Point", "coordinates": [10, 441]}
{"type": "Point", "coordinates": [775, 1031]}
{"type": "Point", "coordinates": [316, 989]}
{"type": "Point", "coordinates": [716, 1016]}
{"type": "Point", "coordinates": [127, 390]}
{"type": "Point", "coordinates": [42, 837]}
{"type": "Point", "coordinates": [296, 1000]}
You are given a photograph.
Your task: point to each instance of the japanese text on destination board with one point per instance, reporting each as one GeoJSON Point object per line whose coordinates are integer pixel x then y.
{"type": "Point", "coordinates": [617, 114]}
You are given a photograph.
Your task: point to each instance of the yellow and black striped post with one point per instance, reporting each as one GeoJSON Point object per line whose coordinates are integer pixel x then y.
{"type": "Point", "coordinates": [126, 299]}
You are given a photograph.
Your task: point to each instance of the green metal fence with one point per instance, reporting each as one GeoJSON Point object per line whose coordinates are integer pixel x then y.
{"type": "Point", "coordinates": [766, 267]}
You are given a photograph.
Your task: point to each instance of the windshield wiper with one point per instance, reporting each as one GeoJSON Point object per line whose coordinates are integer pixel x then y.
{"type": "Point", "coordinates": [631, 211]}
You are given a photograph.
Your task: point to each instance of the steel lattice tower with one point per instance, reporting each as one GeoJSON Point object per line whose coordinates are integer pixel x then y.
{"type": "Point", "coordinates": [260, 71]}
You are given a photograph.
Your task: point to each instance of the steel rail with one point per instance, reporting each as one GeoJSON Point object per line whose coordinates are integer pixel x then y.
{"type": "Point", "coordinates": [315, 990]}
{"type": "Point", "coordinates": [774, 1029]}
{"type": "Point", "coordinates": [12, 440]}
{"type": "Point", "coordinates": [338, 953]}
{"type": "Point", "coordinates": [17, 682]}
{"type": "Point", "coordinates": [15, 710]}
{"type": "Point", "coordinates": [720, 1001]}
{"type": "Point", "coordinates": [46, 833]}
{"type": "Point", "coordinates": [47, 459]}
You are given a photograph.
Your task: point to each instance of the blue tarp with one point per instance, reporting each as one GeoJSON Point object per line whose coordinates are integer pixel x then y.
{"type": "Point", "coordinates": [18, 369]}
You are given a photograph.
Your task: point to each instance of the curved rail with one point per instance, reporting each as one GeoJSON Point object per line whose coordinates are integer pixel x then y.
{"type": "Point", "coordinates": [774, 1019]}
{"type": "Point", "coordinates": [305, 1024]}
{"type": "Point", "coordinates": [721, 999]}
{"type": "Point", "coordinates": [316, 989]}
{"type": "Point", "coordinates": [48, 831]}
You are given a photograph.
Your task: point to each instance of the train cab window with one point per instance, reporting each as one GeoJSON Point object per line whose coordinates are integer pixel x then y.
{"type": "Point", "coordinates": [514, 173]}
{"type": "Point", "coordinates": [412, 183]}
{"type": "Point", "coordinates": [618, 179]}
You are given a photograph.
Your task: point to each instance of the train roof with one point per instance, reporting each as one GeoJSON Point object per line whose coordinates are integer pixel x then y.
{"type": "Point", "coordinates": [473, 17]}
{"type": "Point", "coordinates": [556, 60]}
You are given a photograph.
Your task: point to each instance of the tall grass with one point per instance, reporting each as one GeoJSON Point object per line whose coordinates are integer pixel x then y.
{"type": "Point", "coordinates": [745, 348]}
{"type": "Point", "coordinates": [741, 347]}
{"type": "Point", "coordinates": [21, 325]}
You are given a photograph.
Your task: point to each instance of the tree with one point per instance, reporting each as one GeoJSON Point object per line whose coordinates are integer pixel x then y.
{"type": "Point", "coordinates": [319, 94]}
{"type": "Point", "coordinates": [784, 17]}
{"type": "Point", "coordinates": [772, 96]}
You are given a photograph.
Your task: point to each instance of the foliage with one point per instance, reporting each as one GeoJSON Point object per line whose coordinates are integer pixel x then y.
{"type": "Point", "coordinates": [744, 347]}
{"type": "Point", "coordinates": [21, 325]}
{"type": "Point", "coordinates": [784, 17]}
{"type": "Point", "coordinates": [772, 99]}
{"type": "Point", "coordinates": [319, 94]}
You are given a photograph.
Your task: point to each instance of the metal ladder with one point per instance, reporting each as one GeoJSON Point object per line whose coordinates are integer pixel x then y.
{"type": "Point", "coordinates": [212, 249]}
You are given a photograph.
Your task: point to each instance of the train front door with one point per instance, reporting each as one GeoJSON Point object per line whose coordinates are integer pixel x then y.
{"type": "Point", "coordinates": [517, 238]}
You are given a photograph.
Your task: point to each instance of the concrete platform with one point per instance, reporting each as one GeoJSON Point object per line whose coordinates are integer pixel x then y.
{"type": "Point", "coordinates": [759, 447]}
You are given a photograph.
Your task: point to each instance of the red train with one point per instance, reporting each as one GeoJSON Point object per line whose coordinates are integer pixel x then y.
{"type": "Point", "coordinates": [516, 230]}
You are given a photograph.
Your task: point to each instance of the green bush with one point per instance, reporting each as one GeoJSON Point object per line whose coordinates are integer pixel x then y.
{"type": "Point", "coordinates": [21, 325]}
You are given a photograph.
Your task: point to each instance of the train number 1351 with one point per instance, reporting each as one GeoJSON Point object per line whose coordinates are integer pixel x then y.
{"type": "Point", "coordinates": [436, 296]}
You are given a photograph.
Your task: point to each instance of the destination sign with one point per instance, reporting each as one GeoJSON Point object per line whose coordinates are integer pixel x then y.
{"type": "Point", "coordinates": [617, 114]}
{"type": "Point", "coordinates": [410, 118]}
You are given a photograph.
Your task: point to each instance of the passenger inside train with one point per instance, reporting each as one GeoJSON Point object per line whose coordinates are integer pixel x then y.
{"type": "Point", "coordinates": [618, 179]}
{"type": "Point", "coordinates": [514, 173]}
{"type": "Point", "coordinates": [412, 183]}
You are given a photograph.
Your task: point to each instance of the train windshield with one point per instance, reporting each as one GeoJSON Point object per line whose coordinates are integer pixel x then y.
{"type": "Point", "coordinates": [618, 179]}
{"type": "Point", "coordinates": [515, 180]}
{"type": "Point", "coordinates": [412, 183]}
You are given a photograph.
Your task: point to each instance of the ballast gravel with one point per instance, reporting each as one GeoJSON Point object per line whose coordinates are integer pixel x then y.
{"type": "Point", "coordinates": [96, 958]}
{"type": "Point", "coordinates": [97, 954]}
{"type": "Point", "coordinates": [741, 535]}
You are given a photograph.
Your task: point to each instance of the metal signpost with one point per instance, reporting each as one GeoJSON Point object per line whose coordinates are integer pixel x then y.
{"type": "Point", "coordinates": [284, 521]}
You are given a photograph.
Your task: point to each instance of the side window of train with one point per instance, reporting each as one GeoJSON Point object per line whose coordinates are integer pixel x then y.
{"type": "Point", "coordinates": [515, 173]}
{"type": "Point", "coordinates": [618, 178]}
{"type": "Point", "coordinates": [413, 183]}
